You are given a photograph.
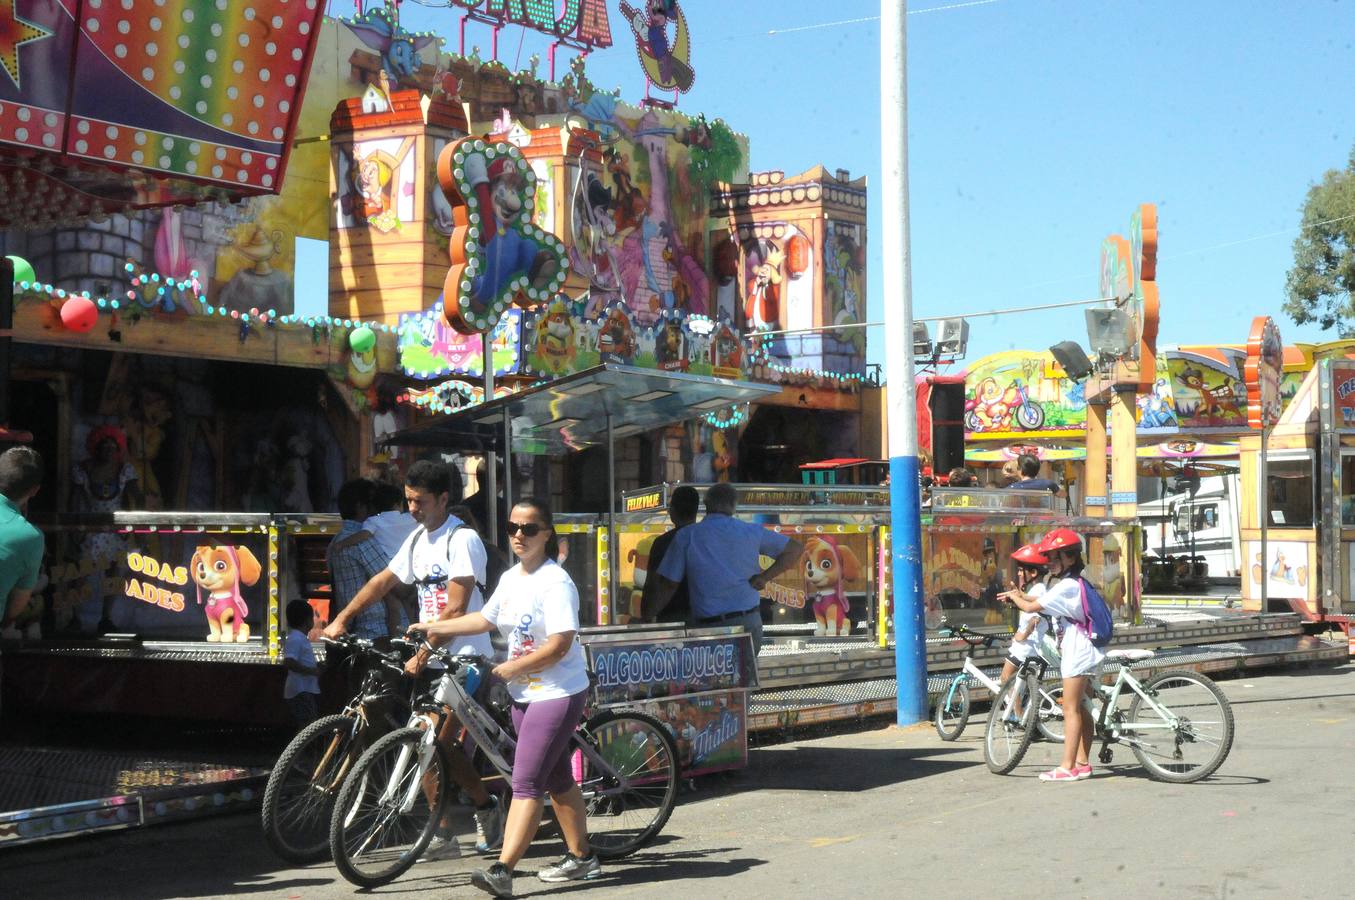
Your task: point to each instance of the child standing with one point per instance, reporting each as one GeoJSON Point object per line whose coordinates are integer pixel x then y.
{"type": "Point", "coordinates": [1031, 627]}
{"type": "Point", "coordinates": [302, 690]}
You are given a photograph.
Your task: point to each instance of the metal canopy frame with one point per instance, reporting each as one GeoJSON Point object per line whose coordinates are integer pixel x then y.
{"type": "Point", "coordinates": [589, 408]}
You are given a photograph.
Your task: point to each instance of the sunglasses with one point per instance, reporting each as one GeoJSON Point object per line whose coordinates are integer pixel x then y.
{"type": "Point", "coordinates": [528, 529]}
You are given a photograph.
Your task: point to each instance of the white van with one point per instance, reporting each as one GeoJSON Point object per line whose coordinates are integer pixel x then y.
{"type": "Point", "coordinates": [1205, 525]}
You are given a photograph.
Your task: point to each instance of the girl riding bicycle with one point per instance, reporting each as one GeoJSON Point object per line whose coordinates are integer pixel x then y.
{"type": "Point", "coordinates": [536, 609]}
{"type": "Point", "coordinates": [1032, 627]}
{"type": "Point", "coordinates": [1080, 659]}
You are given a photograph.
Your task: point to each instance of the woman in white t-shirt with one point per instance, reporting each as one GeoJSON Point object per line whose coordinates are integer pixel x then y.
{"type": "Point", "coordinates": [1031, 627]}
{"type": "Point", "coordinates": [536, 609]}
{"type": "Point", "coordinates": [1080, 659]}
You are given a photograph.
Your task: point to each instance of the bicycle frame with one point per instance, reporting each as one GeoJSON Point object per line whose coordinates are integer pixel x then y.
{"type": "Point", "coordinates": [1110, 728]}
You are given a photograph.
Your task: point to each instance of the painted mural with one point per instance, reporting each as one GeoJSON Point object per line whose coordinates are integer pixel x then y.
{"type": "Point", "coordinates": [1017, 394]}
{"type": "Point", "coordinates": [844, 259]}
{"type": "Point", "coordinates": [430, 348]}
{"type": "Point", "coordinates": [639, 218]}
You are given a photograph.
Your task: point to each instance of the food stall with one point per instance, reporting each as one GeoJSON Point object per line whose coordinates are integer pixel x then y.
{"type": "Point", "coordinates": [1309, 465]}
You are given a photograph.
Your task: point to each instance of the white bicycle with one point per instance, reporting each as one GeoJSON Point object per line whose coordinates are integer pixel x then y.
{"type": "Point", "coordinates": [952, 708]}
{"type": "Point", "coordinates": [1179, 725]}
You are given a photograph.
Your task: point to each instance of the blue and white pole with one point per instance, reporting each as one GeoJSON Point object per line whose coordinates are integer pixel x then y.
{"type": "Point", "coordinates": [910, 641]}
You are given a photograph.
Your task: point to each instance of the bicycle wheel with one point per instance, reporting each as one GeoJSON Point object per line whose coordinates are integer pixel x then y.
{"type": "Point", "coordinates": [388, 808]}
{"type": "Point", "coordinates": [630, 789]}
{"type": "Point", "coordinates": [1193, 739]}
{"type": "Point", "coordinates": [1051, 713]}
{"type": "Point", "coordinates": [299, 799]}
{"type": "Point", "coordinates": [1008, 733]}
{"type": "Point", "coordinates": [952, 710]}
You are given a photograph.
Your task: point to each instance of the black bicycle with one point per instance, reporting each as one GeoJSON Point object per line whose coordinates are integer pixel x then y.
{"type": "Point", "coordinates": [298, 802]}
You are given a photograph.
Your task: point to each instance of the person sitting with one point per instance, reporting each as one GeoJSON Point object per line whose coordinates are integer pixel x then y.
{"type": "Point", "coordinates": [961, 477]}
{"type": "Point", "coordinates": [1030, 476]}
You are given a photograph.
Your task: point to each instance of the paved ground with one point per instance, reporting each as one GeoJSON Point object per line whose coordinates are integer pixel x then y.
{"type": "Point", "coordinates": [882, 810]}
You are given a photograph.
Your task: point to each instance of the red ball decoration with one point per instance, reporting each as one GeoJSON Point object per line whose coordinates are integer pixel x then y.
{"type": "Point", "coordinates": [79, 314]}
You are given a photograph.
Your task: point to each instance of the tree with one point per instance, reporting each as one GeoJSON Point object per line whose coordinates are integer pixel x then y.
{"type": "Point", "coordinates": [1321, 286]}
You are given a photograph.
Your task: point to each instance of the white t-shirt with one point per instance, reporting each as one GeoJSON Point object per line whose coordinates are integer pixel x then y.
{"type": "Point", "coordinates": [429, 559]}
{"type": "Point", "coordinates": [391, 529]}
{"type": "Point", "coordinates": [298, 647]}
{"type": "Point", "coordinates": [527, 608]}
{"type": "Point", "coordinates": [1023, 649]}
{"type": "Point", "coordinates": [1064, 602]}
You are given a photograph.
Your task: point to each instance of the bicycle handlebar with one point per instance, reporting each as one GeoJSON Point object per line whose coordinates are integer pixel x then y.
{"type": "Point", "coordinates": [972, 638]}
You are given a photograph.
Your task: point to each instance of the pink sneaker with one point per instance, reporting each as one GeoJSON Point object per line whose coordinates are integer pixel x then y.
{"type": "Point", "coordinates": [1082, 772]}
{"type": "Point", "coordinates": [1059, 774]}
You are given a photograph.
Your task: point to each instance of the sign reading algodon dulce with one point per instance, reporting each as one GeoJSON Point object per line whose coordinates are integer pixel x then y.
{"type": "Point", "coordinates": [634, 670]}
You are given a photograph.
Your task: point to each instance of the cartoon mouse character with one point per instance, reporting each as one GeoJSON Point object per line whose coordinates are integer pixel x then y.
{"type": "Point", "coordinates": [828, 567]}
{"type": "Point", "coordinates": [219, 571]}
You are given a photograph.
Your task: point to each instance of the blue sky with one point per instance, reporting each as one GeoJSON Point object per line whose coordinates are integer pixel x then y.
{"type": "Point", "coordinates": [1035, 129]}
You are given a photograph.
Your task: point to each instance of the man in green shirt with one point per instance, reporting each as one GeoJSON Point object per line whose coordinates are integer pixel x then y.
{"type": "Point", "coordinates": [20, 543]}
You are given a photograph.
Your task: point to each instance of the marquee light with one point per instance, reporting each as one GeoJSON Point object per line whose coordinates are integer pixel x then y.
{"type": "Point", "coordinates": [584, 21]}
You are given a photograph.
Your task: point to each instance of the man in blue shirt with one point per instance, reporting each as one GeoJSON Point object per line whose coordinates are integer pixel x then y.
{"type": "Point", "coordinates": [721, 558]}
{"type": "Point", "coordinates": [1030, 480]}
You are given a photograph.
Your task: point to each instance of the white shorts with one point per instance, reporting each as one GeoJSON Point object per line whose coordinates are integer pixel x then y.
{"type": "Point", "coordinates": [1078, 656]}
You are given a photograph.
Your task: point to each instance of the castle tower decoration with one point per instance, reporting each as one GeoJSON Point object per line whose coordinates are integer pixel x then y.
{"type": "Point", "coordinates": [390, 222]}
{"type": "Point", "coordinates": [790, 254]}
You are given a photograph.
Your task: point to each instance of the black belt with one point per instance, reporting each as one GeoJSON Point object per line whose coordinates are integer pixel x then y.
{"type": "Point", "coordinates": [726, 617]}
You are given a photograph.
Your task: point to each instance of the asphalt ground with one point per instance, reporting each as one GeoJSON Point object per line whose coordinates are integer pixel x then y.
{"type": "Point", "coordinates": [877, 811]}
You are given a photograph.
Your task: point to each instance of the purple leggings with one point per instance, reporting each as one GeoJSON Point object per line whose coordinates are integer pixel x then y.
{"type": "Point", "coordinates": [541, 763]}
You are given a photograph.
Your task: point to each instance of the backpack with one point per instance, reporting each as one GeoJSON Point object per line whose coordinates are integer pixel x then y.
{"type": "Point", "coordinates": [1097, 620]}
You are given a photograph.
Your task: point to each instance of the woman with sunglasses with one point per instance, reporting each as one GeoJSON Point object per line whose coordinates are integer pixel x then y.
{"type": "Point", "coordinates": [536, 609]}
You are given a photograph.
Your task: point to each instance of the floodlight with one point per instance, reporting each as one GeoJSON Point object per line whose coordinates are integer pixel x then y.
{"type": "Point", "coordinates": [1075, 364]}
{"type": "Point", "coordinates": [922, 340]}
{"type": "Point", "coordinates": [1111, 332]}
{"type": "Point", "coordinates": [952, 337]}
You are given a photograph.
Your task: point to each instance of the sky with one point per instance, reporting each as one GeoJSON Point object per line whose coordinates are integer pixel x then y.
{"type": "Point", "coordinates": [1035, 130]}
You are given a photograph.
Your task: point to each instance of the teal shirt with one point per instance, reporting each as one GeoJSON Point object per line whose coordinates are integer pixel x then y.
{"type": "Point", "coordinates": [20, 552]}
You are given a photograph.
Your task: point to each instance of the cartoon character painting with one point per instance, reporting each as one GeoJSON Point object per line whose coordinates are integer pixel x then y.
{"type": "Point", "coordinates": [616, 336]}
{"type": "Point", "coordinates": [219, 571]}
{"type": "Point", "coordinates": [556, 348]}
{"type": "Point", "coordinates": [593, 254]}
{"type": "Point", "coordinates": [727, 351]}
{"type": "Point", "coordinates": [667, 64]}
{"type": "Point", "coordinates": [498, 255]}
{"type": "Point", "coordinates": [638, 556]}
{"type": "Point", "coordinates": [762, 305]}
{"type": "Point", "coordinates": [670, 345]}
{"type": "Point", "coordinates": [400, 50]}
{"type": "Point", "coordinates": [828, 567]}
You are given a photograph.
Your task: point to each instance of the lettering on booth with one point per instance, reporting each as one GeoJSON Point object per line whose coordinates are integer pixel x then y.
{"type": "Point", "coordinates": [153, 570]}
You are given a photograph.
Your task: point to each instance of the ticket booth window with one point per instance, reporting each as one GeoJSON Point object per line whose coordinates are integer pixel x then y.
{"type": "Point", "coordinates": [1348, 489]}
{"type": "Point", "coordinates": [1290, 481]}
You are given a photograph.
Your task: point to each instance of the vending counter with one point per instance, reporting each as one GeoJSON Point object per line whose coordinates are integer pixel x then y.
{"type": "Point", "coordinates": [693, 680]}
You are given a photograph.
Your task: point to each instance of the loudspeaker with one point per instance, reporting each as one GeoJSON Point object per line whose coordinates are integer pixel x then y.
{"type": "Point", "coordinates": [947, 406]}
{"type": "Point", "coordinates": [952, 337]}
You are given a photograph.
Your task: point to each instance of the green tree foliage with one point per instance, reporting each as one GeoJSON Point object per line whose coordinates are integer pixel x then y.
{"type": "Point", "coordinates": [717, 158]}
{"type": "Point", "coordinates": [1321, 286]}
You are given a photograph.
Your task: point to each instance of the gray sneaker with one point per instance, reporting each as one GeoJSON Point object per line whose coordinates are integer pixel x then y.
{"type": "Point", "coordinates": [496, 880]}
{"type": "Point", "coordinates": [489, 827]}
{"type": "Point", "coordinates": [441, 848]}
{"type": "Point", "coordinates": [571, 868]}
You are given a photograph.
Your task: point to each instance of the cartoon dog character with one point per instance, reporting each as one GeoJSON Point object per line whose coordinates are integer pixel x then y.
{"type": "Point", "coordinates": [555, 342]}
{"type": "Point", "coordinates": [639, 557]}
{"type": "Point", "coordinates": [219, 571]}
{"type": "Point", "coordinates": [828, 567]}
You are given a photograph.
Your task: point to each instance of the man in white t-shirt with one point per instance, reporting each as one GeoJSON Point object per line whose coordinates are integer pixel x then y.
{"type": "Point", "coordinates": [445, 561]}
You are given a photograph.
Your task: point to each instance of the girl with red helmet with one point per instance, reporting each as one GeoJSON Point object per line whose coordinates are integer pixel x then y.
{"type": "Point", "coordinates": [1080, 660]}
{"type": "Point", "coordinates": [1031, 627]}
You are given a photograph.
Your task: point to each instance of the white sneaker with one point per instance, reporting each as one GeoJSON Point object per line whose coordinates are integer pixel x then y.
{"type": "Point", "coordinates": [441, 848]}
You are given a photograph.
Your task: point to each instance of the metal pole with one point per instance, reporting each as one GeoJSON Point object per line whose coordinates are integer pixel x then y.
{"type": "Point", "coordinates": [507, 459]}
{"type": "Point", "coordinates": [1265, 523]}
{"type": "Point", "coordinates": [910, 638]}
{"type": "Point", "coordinates": [611, 522]}
{"type": "Point", "coordinates": [490, 487]}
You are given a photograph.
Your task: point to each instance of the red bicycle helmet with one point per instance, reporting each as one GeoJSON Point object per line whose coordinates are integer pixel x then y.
{"type": "Point", "coordinates": [1059, 539]}
{"type": "Point", "coordinates": [1030, 555]}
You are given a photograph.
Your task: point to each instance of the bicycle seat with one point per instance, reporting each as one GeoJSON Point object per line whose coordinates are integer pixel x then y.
{"type": "Point", "coordinates": [1131, 655]}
